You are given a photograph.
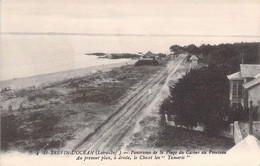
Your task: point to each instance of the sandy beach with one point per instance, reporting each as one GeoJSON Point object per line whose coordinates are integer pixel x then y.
{"type": "Point", "coordinates": [41, 80]}
{"type": "Point", "coordinates": [55, 110]}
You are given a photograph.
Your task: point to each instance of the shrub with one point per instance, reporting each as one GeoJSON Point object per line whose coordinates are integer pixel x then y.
{"type": "Point", "coordinates": [201, 96]}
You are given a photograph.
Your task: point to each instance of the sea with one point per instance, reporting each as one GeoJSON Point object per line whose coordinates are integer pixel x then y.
{"type": "Point", "coordinates": [24, 55]}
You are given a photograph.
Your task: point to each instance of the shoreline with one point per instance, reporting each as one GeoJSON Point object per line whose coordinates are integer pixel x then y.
{"type": "Point", "coordinates": [53, 115]}
{"type": "Point", "coordinates": [38, 80]}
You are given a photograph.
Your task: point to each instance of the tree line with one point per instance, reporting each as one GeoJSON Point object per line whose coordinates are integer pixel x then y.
{"type": "Point", "coordinates": [227, 56]}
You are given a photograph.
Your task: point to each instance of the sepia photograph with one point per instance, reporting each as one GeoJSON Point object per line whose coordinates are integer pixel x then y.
{"type": "Point", "coordinates": [130, 82]}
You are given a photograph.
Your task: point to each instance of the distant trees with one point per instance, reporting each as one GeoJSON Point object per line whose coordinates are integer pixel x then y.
{"type": "Point", "coordinates": [176, 48]}
{"type": "Point", "coordinates": [192, 49]}
{"type": "Point", "coordinates": [227, 56]}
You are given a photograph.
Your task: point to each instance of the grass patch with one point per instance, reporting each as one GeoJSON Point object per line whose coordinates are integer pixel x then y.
{"type": "Point", "coordinates": [180, 138]}
{"type": "Point", "coordinates": [103, 95]}
{"type": "Point", "coordinates": [27, 128]}
{"type": "Point", "coordinates": [43, 94]}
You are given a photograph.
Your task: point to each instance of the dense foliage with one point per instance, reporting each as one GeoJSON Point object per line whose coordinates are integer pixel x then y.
{"type": "Point", "coordinates": [202, 95]}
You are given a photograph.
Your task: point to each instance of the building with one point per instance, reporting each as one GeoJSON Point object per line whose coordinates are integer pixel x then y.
{"type": "Point", "coordinates": [149, 54]}
{"type": "Point", "coordinates": [253, 89]}
{"type": "Point", "coordinates": [194, 61]}
{"type": "Point", "coordinates": [148, 59]}
{"type": "Point", "coordinates": [244, 85]}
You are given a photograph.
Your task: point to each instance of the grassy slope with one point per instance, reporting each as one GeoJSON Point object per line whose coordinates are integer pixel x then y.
{"type": "Point", "coordinates": [50, 116]}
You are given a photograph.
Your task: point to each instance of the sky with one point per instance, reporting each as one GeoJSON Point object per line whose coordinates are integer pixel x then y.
{"type": "Point", "coordinates": [146, 17]}
{"type": "Point", "coordinates": [144, 25]}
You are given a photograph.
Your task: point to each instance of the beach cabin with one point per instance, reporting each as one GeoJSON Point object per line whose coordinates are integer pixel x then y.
{"type": "Point", "coordinates": [148, 59]}
{"type": "Point", "coordinates": [194, 61]}
{"type": "Point", "coordinates": [149, 54]}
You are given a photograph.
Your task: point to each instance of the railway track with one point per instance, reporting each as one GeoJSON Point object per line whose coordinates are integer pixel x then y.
{"type": "Point", "coordinates": [110, 134]}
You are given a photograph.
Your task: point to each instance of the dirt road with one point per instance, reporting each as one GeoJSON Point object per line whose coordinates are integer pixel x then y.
{"type": "Point", "coordinates": [109, 136]}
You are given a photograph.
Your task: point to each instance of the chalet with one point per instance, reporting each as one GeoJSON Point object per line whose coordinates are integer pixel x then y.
{"type": "Point", "coordinates": [245, 86]}
{"type": "Point", "coordinates": [149, 54]}
{"type": "Point", "coordinates": [148, 59]}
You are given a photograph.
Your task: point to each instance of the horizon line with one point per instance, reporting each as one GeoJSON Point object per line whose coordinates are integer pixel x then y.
{"type": "Point", "coordinates": [118, 34]}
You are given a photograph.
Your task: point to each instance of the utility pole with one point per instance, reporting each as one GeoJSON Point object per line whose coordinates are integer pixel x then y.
{"type": "Point", "coordinates": [250, 119]}
{"type": "Point", "coordinates": [242, 56]}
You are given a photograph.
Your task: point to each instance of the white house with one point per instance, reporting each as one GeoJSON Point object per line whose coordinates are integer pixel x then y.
{"type": "Point", "coordinates": [244, 85]}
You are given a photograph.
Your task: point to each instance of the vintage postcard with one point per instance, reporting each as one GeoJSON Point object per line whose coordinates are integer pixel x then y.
{"type": "Point", "coordinates": [130, 82]}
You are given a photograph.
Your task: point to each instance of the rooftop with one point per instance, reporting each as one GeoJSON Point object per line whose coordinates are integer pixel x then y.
{"type": "Point", "coordinates": [252, 82]}
{"type": "Point", "coordinates": [149, 54]}
{"type": "Point", "coordinates": [235, 76]}
{"type": "Point", "coordinates": [194, 58]}
{"type": "Point", "coordinates": [249, 70]}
